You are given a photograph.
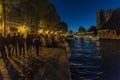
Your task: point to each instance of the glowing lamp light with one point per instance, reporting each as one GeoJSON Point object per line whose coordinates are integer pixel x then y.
{"type": "Point", "coordinates": [40, 31]}
{"type": "Point", "coordinates": [46, 32]}
{"type": "Point", "coordinates": [56, 32]}
{"type": "Point", "coordinates": [22, 29]}
{"type": "Point", "coordinates": [23, 26]}
{"type": "Point", "coordinates": [51, 32]}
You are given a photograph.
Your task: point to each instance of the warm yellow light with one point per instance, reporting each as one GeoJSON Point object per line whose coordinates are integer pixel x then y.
{"type": "Point", "coordinates": [2, 27]}
{"type": "Point", "coordinates": [51, 32]}
{"type": "Point", "coordinates": [23, 26]}
{"type": "Point", "coordinates": [47, 31]}
{"type": "Point", "coordinates": [22, 29]}
{"type": "Point", "coordinates": [56, 32]}
{"type": "Point", "coordinates": [40, 31]}
{"type": "Point", "coordinates": [1, 9]}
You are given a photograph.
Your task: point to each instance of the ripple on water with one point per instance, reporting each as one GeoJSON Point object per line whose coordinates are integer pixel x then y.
{"type": "Point", "coordinates": [85, 63]}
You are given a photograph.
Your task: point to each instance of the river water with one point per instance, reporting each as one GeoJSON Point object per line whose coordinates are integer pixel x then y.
{"type": "Point", "coordinates": [95, 60]}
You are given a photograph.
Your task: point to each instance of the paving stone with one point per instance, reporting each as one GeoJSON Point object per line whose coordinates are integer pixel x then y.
{"type": "Point", "coordinates": [52, 64]}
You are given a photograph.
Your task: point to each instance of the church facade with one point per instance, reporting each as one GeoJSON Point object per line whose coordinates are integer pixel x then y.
{"type": "Point", "coordinates": [108, 23]}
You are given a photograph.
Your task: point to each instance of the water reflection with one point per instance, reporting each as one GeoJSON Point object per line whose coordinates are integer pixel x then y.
{"type": "Point", "coordinates": [110, 50]}
{"type": "Point", "coordinates": [95, 60]}
{"type": "Point", "coordinates": [85, 62]}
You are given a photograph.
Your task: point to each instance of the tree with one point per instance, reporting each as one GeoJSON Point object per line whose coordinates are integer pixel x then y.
{"type": "Point", "coordinates": [11, 10]}
{"type": "Point", "coordinates": [93, 29]}
{"type": "Point", "coordinates": [52, 19]}
{"type": "Point", "coordinates": [62, 26]}
{"type": "Point", "coordinates": [4, 4]}
{"type": "Point", "coordinates": [32, 12]}
{"type": "Point", "coordinates": [70, 31]}
{"type": "Point", "coordinates": [81, 30]}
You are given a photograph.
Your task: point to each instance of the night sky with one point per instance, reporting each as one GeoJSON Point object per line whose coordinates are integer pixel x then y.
{"type": "Point", "coordinates": [82, 12]}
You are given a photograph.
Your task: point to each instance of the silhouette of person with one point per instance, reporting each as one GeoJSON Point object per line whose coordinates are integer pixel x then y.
{"type": "Point", "coordinates": [2, 46]}
{"type": "Point", "coordinates": [21, 45]}
{"type": "Point", "coordinates": [14, 44]}
{"type": "Point", "coordinates": [47, 41]}
{"type": "Point", "coordinates": [37, 44]}
{"type": "Point", "coordinates": [29, 43]}
{"type": "Point", "coordinates": [8, 44]}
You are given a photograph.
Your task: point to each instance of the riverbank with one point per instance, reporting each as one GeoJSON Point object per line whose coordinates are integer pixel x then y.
{"type": "Point", "coordinates": [110, 39]}
{"type": "Point", "coordinates": [56, 67]}
{"type": "Point", "coordinates": [52, 64]}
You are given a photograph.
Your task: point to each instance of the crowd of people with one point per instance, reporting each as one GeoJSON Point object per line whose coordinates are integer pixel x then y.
{"type": "Point", "coordinates": [18, 45]}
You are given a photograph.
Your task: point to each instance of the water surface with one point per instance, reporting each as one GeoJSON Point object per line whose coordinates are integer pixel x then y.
{"type": "Point", "coordinates": [95, 60]}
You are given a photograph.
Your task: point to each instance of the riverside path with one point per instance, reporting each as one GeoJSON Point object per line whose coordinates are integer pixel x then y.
{"type": "Point", "coordinates": [51, 64]}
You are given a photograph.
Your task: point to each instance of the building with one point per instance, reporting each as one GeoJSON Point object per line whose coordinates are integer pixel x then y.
{"type": "Point", "coordinates": [108, 14]}
{"type": "Point", "coordinates": [109, 28]}
{"type": "Point", "coordinates": [100, 18]}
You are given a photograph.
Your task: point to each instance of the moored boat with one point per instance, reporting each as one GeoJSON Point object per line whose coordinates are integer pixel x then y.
{"type": "Point", "coordinates": [91, 38]}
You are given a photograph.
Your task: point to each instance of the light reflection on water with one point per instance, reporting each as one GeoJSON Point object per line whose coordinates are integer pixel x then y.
{"type": "Point", "coordinates": [95, 60]}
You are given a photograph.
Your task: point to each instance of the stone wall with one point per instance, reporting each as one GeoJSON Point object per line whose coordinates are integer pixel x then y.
{"type": "Point", "coordinates": [108, 34]}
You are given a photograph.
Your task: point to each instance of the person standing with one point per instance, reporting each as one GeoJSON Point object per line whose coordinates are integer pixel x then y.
{"type": "Point", "coordinates": [29, 43]}
{"type": "Point", "coordinates": [2, 46]}
{"type": "Point", "coordinates": [37, 44]}
{"type": "Point", "coordinates": [8, 44]}
{"type": "Point", "coordinates": [21, 45]}
{"type": "Point", "coordinates": [14, 44]}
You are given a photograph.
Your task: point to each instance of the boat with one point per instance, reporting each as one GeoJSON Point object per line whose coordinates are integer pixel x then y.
{"type": "Point", "coordinates": [91, 38]}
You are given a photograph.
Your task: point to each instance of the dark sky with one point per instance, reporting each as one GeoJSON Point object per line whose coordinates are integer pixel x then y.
{"type": "Point", "coordinates": [82, 12]}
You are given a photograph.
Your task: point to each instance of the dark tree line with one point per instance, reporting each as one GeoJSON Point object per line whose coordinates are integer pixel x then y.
{"type": "Point", "coordinates": [31, 12]}
{"type": "Point", "coordinates": [93, 29]}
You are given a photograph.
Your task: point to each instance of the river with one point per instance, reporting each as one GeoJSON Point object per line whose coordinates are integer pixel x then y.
{"type": "Point", "coordinates": [95, 60]}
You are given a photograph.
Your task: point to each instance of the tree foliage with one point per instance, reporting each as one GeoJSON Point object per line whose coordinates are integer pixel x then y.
{"type": "Point", "coordinates": [52, 17]}
{"type": "Point", "coordinates": [81, 30]}
{"type": "Point", "coordinates": [32, 12]}
{"type": "Point", "coordinates": [93, 29]}
{"type": "Point", "coordinates": [63, 26]}
{"type": "Point", "coordinates": [71, 31]}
